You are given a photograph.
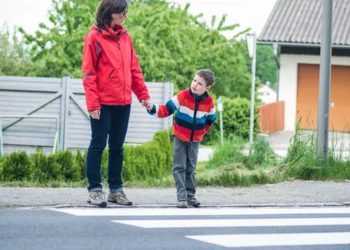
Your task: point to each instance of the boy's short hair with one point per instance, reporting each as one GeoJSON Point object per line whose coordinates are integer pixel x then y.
{"type": "Point", "coordinates": [207, 75]}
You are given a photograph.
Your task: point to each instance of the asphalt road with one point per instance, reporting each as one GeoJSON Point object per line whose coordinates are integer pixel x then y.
{"type": "Point", "coordinates": [170, 228]}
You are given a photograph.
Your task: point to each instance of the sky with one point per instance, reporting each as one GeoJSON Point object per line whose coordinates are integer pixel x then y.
{"type": "Point", "coordinates": [248, 13]}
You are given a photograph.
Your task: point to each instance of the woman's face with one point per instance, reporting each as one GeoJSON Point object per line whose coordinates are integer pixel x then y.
{"type": "Point", "coordinates": [118, 19]}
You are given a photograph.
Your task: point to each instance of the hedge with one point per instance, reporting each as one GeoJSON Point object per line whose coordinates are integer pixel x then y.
{"type": "Point", "coordinates": [236, 117]}
{"type": "Point", "coordinates": [152, 160]}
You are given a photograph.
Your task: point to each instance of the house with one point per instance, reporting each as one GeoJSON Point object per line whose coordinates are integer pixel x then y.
{"type": "Point", "coordinates": [266, 94]}
{"type": "Point", "coordinates": [294, 28]}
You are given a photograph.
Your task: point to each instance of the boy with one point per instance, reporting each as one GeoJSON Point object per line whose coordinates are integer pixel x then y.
{"type": "Point", "coordinates": [195, 114]}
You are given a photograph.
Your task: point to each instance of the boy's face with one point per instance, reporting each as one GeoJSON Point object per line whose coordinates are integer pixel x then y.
{"type": "Point", "coordinates": [198, 85]}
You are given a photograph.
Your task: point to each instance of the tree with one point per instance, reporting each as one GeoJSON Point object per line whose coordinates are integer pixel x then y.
{"type": "Point", "coordinates": [171, 43]}
{"type": "Point", "coordinates": [266, 66]}
{"type": "Point", "coordinates": [14, 59]}
{"type": "Point", "coordinates": [58, 46]}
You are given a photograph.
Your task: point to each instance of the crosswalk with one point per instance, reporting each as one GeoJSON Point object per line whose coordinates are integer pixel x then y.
{"type": "Point", "coordinates": [260, 240]}
{"type": "Point", "coordinates": [318, 226]}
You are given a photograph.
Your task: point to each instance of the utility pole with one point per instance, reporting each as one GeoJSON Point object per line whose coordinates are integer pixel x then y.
{"type": "Point", "coordinates": [325, 77]}
{"type": "Point", "coordinates": [251, 43]}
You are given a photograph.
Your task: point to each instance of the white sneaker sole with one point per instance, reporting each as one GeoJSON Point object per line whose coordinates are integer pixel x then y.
{"type": "Point", "coordinates": [102, 204]}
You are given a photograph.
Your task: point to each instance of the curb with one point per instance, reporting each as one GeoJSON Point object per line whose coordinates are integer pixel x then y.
{"type": "Point", "coordinates": [150, 206]}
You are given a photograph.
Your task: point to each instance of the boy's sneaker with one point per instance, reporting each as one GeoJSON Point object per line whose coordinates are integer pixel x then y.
{"type": "Point", "coordinates": [192, 201]}
{"type": "Point", "coordinates": [182, 204]}
{"type": "Point", "coordinates": [97, 198]}
{"type": "Point", "coordinates": [119, 197]}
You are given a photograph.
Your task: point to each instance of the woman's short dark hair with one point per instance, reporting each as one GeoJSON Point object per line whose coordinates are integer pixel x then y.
{"type": "Point", "coordinates": [107, 8]}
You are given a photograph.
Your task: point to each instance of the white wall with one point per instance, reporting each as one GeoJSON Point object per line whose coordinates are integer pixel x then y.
{"type": "Point", "coordinates": [288, 80]}
{"type": "Point", "coordinates": [266, 94]}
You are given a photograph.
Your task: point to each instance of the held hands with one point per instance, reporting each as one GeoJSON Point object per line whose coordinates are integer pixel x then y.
{"type": "Point", "coordinates": [95, 114]}
{"type": "Point", "coordinates": [147, 104]}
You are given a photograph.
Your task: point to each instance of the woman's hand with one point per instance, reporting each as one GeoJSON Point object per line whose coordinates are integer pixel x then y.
{"type": "Point", "coordinates": [95, 114]}
{"type": "Point", "coordinates": [147, 104]}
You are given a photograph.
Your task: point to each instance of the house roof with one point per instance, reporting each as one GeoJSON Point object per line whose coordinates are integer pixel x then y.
{"type": "Point", "coordinates": [298, 22]}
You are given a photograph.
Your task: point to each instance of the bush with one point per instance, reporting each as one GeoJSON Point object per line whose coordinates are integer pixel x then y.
{"type": "Point", "coordinates": [152, 160]}
{"type": "Point", "coordinates": [129, 166]}
{"type": "Point", "coordinates": [80, 160]}
{"type": "Point", "coordinates": [104, 164]}
{"type": "Point", "coordinates": [16, 167]}
{"type": "Point", "coordinates": [236, 115]}
{"type": "Point", "coordinates": [1, 161]}
{"type": "Point", "coordinates": [69, 169]}
{"type": "Point", "coordinates": [147, 162]}
{"type": "Point", "coordinates": [165, 142]}
{"type": "Point", "coordinates": [45, 167]}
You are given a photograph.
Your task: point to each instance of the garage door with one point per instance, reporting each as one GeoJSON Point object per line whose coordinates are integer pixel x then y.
{"type": "Point", "coordinates": [307, 97]}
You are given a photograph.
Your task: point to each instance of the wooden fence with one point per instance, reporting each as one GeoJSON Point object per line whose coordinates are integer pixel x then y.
{"type": "Point", "coordinates": [271, 117]}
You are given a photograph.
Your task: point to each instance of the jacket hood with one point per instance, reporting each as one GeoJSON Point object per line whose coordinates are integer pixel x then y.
{"type": "Point", "coordinates": [108, 31]}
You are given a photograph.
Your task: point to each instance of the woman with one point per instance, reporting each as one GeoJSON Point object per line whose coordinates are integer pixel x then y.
{"type": "Point", "coordinates": [111, 72]}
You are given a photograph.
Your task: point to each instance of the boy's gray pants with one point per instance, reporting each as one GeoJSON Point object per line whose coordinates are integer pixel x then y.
{"type": "Point", "coordinates": [185, 160]}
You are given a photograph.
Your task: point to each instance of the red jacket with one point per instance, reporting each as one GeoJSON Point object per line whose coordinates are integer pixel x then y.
{"type": "Point", "coordinates": [194, 115]}
{"type": "Point", "coordinates": [111, 69]}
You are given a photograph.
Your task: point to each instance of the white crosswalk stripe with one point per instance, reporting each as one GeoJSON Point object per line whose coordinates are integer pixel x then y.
{"type": "Point", "coordinates": [261, 240]}
{"type": "Point", "coordinates": [191, 223]}
{"type": "Point", "coordinates": [198, 212]}
{"type": "Point", "coordinates": [258, 218]}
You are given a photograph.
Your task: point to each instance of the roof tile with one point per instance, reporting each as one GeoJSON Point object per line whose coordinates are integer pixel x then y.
{"type": "Point", "coordinates": [299, 22]}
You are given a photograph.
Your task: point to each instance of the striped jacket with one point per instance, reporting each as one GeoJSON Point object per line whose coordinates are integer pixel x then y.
{"type": "Point", "coordinates": [194, 115]}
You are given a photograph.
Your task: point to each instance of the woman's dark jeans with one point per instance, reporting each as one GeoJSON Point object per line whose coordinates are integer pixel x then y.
{"type": "Point", "coordinates": [113, 123]}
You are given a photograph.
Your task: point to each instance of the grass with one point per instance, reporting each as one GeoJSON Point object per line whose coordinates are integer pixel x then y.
{"type": "Point", "coordinates": [229, 166]}
{"type": "Point", "coordinates": [230, 151]}
{"type": "Point", "coordinates": [303, 162]}
{"type": "Point", "coordinates": [231, 175]}
{"type": "Point", "coordinates": [49, 184]}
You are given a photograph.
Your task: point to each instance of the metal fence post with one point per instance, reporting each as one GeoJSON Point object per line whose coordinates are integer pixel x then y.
{"type": "Point", "coordinates": [64, 113]}
{"type": "Point", "coordinates": [1, 141]}
{"type": "Point", "coordinates": [57, 134]}
{"type": "Point", "coordinates": [168, 93]}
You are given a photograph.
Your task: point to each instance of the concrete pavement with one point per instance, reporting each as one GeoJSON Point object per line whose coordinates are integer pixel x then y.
{"type": "Point", "coordinates": [293, 193]}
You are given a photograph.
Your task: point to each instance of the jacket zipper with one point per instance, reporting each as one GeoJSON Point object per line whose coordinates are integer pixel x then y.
{"type": "Point", "coordinates": [121, 55]}
{"type": "Point", "coordinates": [194, 118]}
